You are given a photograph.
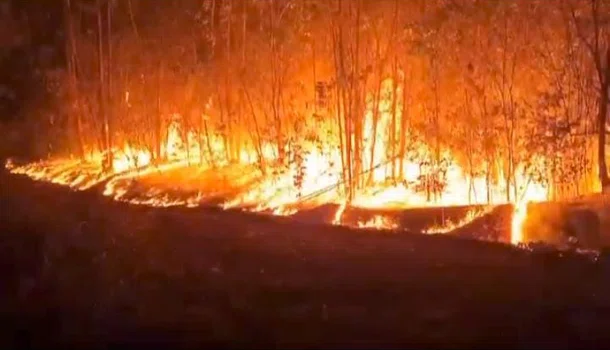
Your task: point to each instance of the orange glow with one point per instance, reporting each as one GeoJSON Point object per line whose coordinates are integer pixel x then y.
{"type": "Point", "coordinates": [531, 193]}
{"type": "Point", "coordinates": [378, 222]}
{"type": "Point", "coordinates": [449, 225]}
{"type": "Point", "coordinates": [319, 171]}
{"type": "Point", "coordinates": [519, 216]}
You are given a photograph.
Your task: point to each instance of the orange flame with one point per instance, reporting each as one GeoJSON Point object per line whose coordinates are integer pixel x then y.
{"type": "Point", "coordinates": [449, 225]}
{"type": "Point", "coordinates": [378, 222]}
{"type": "Point", "coordinates": [319, 173]}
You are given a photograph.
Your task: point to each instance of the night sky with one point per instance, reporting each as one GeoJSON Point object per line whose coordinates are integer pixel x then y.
{"type": "Point", "coordinates": [37, 46]}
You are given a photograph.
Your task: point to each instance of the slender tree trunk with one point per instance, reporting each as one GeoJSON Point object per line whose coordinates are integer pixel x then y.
{"type": "Point", "coordinates": [258, 139]}
{"type": "Point", "coordinates": [339, 111]}
{"type": "Point", "coordinates": [346, 106]}
{"type": "Point", "coordinates": [392, 138]}
{"type": "Point", "coordinates": [601, 140]}
{"type": "Point", "coordinates": [223, 122]}
{"type": "Point", "coordinates": [313, 67]}
{"type": "Point", "coordinates": [340, 92]}
{"type": "Point", "coordinates": [275, 85]}
{"type": "Point", "coordinates": [358, 104]}
{"type": "Point", "coordinates": [211, 160]}
{"type": "Point", "coordinates": [75, 110]}
{"type": "Point", "coordinates": [244, 18]}
{"type": "Point", "coordinates": [403, 126]}
{"type": "Point", "coordinates": [109, 71]}
{"type": "Point", "coordinates": [470, 135]}
{"type": "Point", "coordinates": [228, 83]}
{"type": "Point", "coordinates": [375, 123]}
{"type": "Point", "coordinates": [601, 121]}
{"type": "Point", "coordinates": [488, 153]}
{"type": "Point", "coordinates": [437, 132]}
{"type": "Point", "coordinates": [158, 132]}
{"type": "Point", "coordinates": [109, 158]}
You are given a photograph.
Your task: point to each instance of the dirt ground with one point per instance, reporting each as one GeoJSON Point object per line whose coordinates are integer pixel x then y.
{"type": "Point", "coordinates": [80, 270]}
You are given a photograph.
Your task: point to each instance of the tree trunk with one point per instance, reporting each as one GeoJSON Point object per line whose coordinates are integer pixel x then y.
{"type": "Point", "coordinates": [601, 123]}
{"type": "Point", "coordinates": [258, 139]}
{"type": "Point", "coordinates": [340, 98]}
{"type": "Point", "coordinates": [437, 131]}
{"type": "Point", "coordinates": [403, 127]}
{"type": "Point", "coordinates": [244, 17]}
{"type": "Point", "coordinates": [228, 83]}
{"type": "Point", "coordinates": [211, 160]}
{"type": "Point", "coordinates": [158, 132]}
{"type": "Point", "coordinates": [375, 121]}
{"type": "Point", "coordinates": [358, 104]}
{"type": "Point", "coordinates": [109, 67]}
{"type": "Point", "coordinates": [345, 103]}
{"type": "Point", "coordinates": [601, 139]}
{"type": "Point", "coordinates": [275, 85]}
{"type": "Point", "coordinates": [392, 138]}
{"type": "Point", "coordinates": [75, 110]}
{"type": "Point", "coordinates": [313, 67]}
{"type": "Point", "coordinates": [109, 158]}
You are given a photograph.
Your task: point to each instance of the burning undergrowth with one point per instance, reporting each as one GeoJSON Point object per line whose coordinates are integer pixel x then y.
{"type": "Point", "coordinates": [373, 185]}
{"type": "Point", "coordinates": [72, 173]}
{"type": "Point", "coordinates": [192, 186]}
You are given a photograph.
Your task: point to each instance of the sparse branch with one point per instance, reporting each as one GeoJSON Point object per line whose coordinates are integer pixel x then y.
{"type": "Point", "coordinates": [592, 48]}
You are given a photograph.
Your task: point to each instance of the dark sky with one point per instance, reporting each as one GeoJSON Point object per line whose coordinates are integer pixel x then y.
{"type": "Point", "coordinates": [38, 46]}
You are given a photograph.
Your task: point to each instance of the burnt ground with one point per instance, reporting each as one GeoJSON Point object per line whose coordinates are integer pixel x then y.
{"type": "Point", "coordinates": [80, 270]}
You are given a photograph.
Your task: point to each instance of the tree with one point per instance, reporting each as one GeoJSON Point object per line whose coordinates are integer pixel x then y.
{"type": "Point", "coordinates": [590, 24]}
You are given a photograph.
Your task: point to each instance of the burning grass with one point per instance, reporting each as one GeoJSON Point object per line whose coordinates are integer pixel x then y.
{"type": "Point", "coordinates": [243, 186]}
{"type": "Point", "coordinates": [450, 225]}
{"type": "Point", "coordinates": [232, 186]}
{"type": "Point", "coordinates": [305, 174]}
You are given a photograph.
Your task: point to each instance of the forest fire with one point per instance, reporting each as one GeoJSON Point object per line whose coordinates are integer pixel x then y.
{"type": "Point", "coordinates": [471, 215]}
{"type": "Point", "coordinates": [82, 176]}
{"type": "Point", "coordinates": [314, 179]}
{"type": "Point", "coordinates": [280, 107]}
{"type": "Point", "coordinates": [280, 172]}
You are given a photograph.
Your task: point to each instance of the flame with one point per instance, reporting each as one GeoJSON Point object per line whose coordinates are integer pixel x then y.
{"type": "Point", "coordinates": [67, 172]}
{"type": "Point", "coordinates": [309, 174]}
{"type": "Point", "coordinates": [531, 192]}
{"type": "Point", "coordinates": [339, 214]}
{"type": "Point", "coordinates": [378, 222]}
{"type": "Point", "coordinates": [449, 225]}
{"type": "Point", "coordinates": [519, 216]}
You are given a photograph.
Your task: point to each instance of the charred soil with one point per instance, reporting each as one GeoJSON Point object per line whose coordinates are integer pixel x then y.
{"type": "Point", "coordinates": [79, 269]}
